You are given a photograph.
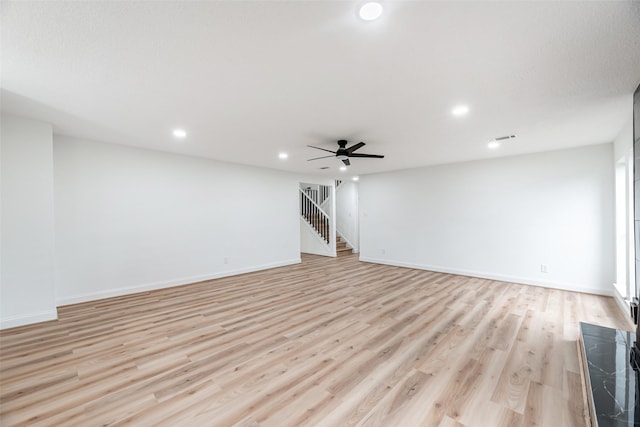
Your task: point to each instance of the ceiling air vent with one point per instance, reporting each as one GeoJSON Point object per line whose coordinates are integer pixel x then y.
{"type": "Point", "coordinates": [494, 143]}
{"type": "Point", "coordinates": [504, 138]}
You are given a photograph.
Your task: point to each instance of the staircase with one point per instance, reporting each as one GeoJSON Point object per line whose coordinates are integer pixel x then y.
{"type": "Point", "coordinates": [313, 213]}
{"type": "Point", "coordinates": [315, 206]}
{"type": "Point", "coordinates": [342, 249]}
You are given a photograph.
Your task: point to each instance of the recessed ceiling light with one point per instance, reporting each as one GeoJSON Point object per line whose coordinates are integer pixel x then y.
{"type": "Point", "coordinates": [283, 156]}
{"type": "Point", "coordinates": [460, 110]}
{"type": "Point", "coordinates": [493, 145]}
{"type": "Point", "coordinates": [370, 11]}
{"type": "Point", "coordinates": [179, 133]}
{"type": "Point", "coordinates": [355, 178]}
{"type": "Point", "coordinates": [343, 168]}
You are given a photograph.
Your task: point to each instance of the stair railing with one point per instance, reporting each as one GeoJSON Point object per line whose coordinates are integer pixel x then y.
{"type": "Point", "coordinates": [315, 216]}
{"type": "Point", "coordinates": [325, 192]}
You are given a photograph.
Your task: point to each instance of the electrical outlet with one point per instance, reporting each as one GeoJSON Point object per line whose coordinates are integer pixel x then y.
{"type": "Point", "coordinates": [544, 268]}
{"type": "Point", "coordinates": [226, 260]}
{"type": "Point", "coordinates": [383, 251]}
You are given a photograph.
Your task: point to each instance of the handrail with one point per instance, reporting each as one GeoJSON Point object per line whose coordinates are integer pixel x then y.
{"type": "Point", "coordinates": [320, 195]}
{"type": "Point", "coordinates": [314, 203]}
{"type": "Point", "coordinates": [315, 216]}
{"type": "Point", "coordinates": [325, 192]}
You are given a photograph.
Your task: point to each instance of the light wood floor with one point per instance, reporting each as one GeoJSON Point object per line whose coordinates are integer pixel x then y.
{"type": "Point", "coordinates": [329, 342]}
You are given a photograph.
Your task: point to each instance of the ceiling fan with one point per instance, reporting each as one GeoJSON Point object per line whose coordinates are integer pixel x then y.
{"type": "Point", "coordinates": [345, 153]}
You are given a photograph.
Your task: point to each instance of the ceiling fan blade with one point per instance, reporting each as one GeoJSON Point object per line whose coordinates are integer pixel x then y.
{"type": "Point", "coordinates": [371, 156]}
{"type": "Point", "coordinates": [323, 149]}
{"type": "Point", "coordinates": [346, 162]}
{"type": "Point", "coordinates": [318, 158]}
{"type": "Point", "coordinates": [355, 147]}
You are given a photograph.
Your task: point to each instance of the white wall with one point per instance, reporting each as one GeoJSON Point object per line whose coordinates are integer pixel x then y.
{"type": "Point", "coordinates": [623, 143]}
{"type": "Point", "coordinates": [347, 213]}
{"type": "Point", "coordinates": [128, 219]}
{"type": "Point", "coordinates": [499, 218]}
{"type": "Point", "coordinates": [26, 262]}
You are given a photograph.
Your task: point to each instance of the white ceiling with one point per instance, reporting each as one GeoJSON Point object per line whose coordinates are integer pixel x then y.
{"type": "Point", "coordinates": [250, 79]}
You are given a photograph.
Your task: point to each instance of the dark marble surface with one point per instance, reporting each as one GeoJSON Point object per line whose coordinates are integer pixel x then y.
{"type": "Point", "coordinates": [614, 384]}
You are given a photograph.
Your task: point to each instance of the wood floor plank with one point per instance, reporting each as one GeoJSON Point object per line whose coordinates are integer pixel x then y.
{"type": "Point", "coordinates": [331, 341]}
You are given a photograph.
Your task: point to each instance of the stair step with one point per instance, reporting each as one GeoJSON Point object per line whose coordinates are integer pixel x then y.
{"type": "Point", "coordinates": [344, 252]}
{"type": "Point", "coordinates": [341, 247]}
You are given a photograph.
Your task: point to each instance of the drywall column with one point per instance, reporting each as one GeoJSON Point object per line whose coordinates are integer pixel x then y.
{"type": "Point", "coordinates": [27, 294]}
{"type": "Point", "coordinates": [347, 213]}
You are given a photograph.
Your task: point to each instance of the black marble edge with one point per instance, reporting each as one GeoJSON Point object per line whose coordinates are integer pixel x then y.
{"type": "Point", "coordinates": [595, 335]}
{"type": "Point", "coordinates": [590, 330]}
{"type": "Point", "coordinates": [592, 420]}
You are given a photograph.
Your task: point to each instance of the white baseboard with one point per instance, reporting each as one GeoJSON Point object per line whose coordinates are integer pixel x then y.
{"type": "Point", "coordinates": [624, 307]}
{"type": "Point", "coordinates": [493, 276]}
{"type": "Point", "coordinates": [116, 292]}
{"type": "Point", "coordinates": [27, 319]}
{"type": "Point", "coordinates": [312, 252]}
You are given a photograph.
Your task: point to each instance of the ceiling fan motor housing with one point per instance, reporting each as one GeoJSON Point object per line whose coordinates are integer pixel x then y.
{"type": "Point", "coordinates": [342, 152]}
